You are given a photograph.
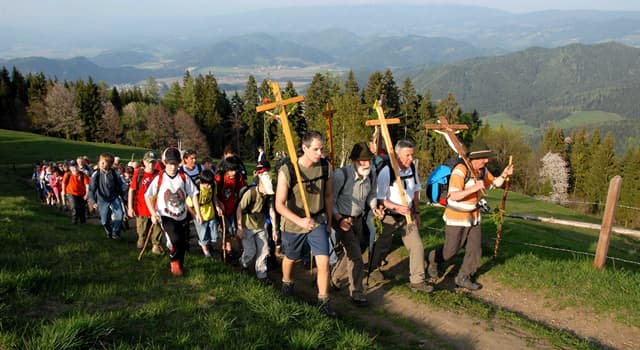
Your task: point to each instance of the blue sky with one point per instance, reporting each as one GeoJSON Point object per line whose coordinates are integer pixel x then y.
{"type": "Point", "coordinates": [208, 7]}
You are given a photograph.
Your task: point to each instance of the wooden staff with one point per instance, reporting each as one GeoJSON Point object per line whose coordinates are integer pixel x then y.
{"type": "Point", "coordinates": [146, 241]}
{"type": "Point", "coordinates": [383, 122]}
{"type": "Point", "coordinates": [286, 130]}
{"type": "Point", "coordinates": [328, 115]}
{"type": "Point", "coordinates": [501, 213]}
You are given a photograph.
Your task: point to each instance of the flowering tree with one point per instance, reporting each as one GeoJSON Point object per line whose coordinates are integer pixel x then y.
{"type": "Point", "coordinates": [555, 171]}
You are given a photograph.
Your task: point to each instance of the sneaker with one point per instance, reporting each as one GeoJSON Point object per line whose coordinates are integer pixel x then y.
{"type": "Point", "coordinates": [465, 282]}
{"type": "Point", "coordinates": [116, 236]}
{"type": "Point", "coordinates": [325, 308]}
{"type": "Point", "coordinates": [432, 270]}
{"type": "Point", "coordinates": [422, 287]}
{"type": "Point", "coordinates": [140, 242]}
{"type": "Point", "coordinates": [287, 289]}
{"type": "Point", "coordinates": [359, 300]}
{"type": "Point", "coordinates": [157, 250]}
{"type": "Point", "coordinates": [176, 269]}
{"type": "Point", "coordinates": [265, 281]}
{"type": "Point", "coordinates": [379, 275]}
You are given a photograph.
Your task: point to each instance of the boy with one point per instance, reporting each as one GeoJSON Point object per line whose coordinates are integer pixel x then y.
{"type": "Point", "coordinates": [137, 207]}
{"type": "Point", "coordinates": [105, 189]}
{"type": "Point", "coordinates": [75, 183]}
{"type": "Point", "coordinates": [166, 201]}
{"type": "Point", "coordinates": [229, 182]}
{"type": "Point", "coordinates": [251, 221]}
{"type": "Point", "coordinates": [209, 204]}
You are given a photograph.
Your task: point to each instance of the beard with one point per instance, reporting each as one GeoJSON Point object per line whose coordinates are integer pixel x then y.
{"type": "Point", "coordinates": [363, 171]}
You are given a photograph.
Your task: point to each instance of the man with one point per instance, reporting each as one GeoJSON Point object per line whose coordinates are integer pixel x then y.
{"type": "Point", "coordinates": [297, 229]}
{"type": "Point", "coordinates": [354, 188]}
{"type": "Point", "coordinates": [137, 206]}
{"type": "Point", "coordinates": [462, 215]}
{"type": "Point", "coordinates": [190, 165]}
{"type": "Point", "coordinates": [261, 156]}
{"type": "Point", "coordinates": [105, 193]}
{"type": "Point", "coordinates": [395, 216]}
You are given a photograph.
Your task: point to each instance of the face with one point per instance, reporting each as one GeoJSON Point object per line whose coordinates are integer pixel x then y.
{"type": "Point", "coordinates": [363, 167]}
{"type": "Point", "coordinates": [171, 168]}
{"type": "Point", "coordinates": [405, 157]}
{"type": "Point", "coordinates": [148, 164]}
{"type": "Point", "coordinates": [314, 151]}
{"type": "Point", "coordinates": [103, 164]}
{"type": "Point", "coordinates": [190, 161]}
{"type": "Point", "coordinates": [230, 174]}
{"type": "Point", "coordinates": [479, 163]}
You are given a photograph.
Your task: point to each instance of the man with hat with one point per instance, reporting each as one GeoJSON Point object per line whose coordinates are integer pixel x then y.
{"type": "Point", "coordinates": [462, 214]}
{"type": "Point", "coordinates": [254, 203]}
{"type": "Point", "coordinates": [137, 207]}
{"type": "Point", "coordinates": [354, 189]}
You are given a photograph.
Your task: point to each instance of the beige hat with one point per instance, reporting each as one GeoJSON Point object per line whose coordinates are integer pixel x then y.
{"type": "Point", "coordinates": [265, 180]}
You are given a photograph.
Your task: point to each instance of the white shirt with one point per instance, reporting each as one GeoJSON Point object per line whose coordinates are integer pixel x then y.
{"type": "Point", "coordinates": [391, 193]}
{"type": "Point", "coordinates": [172, 195]}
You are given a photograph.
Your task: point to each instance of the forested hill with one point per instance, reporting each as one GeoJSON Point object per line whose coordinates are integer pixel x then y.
{"type": "Point", "coordinates": [538, 85]}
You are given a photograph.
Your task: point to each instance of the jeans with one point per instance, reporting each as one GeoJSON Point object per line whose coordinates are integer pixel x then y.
{"type": "Point", "coordinates": [207, 231]}
{"type": "Point", "coordinates": [115, 206]}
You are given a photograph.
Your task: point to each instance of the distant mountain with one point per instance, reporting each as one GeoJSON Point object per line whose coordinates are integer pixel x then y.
{"type": "Point", "coordinates": [539, 85]}
{"type": "Point", "coordinates": [122, 58]}
{"type": "Point", "coordinates": [80, 68]}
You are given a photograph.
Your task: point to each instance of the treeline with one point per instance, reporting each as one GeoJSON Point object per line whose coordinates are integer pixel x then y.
{"type": "Point", "coordinates": [200, 115]}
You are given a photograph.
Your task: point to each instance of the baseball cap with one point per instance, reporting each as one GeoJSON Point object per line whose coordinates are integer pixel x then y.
{"type": "Point", "coordinates": [150, 156]}
{"type": "Point", "coordinates": [172, 155]}
{"type": "Point", "coordinates": [265, 180]}
{"type": "Point", "coordinates": [262, 166]}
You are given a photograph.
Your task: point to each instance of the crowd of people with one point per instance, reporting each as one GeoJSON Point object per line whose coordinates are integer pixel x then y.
{"type": "Point", "coordinates": [313, 211]}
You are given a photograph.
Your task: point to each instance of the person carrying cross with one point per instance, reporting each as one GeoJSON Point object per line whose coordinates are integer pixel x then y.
{"type": "Point", "coordinates": [462, 215]}
{"type": "Point", "coordinates": [297, 228]}
{"type": "Point", "coordinates": [395, 219]}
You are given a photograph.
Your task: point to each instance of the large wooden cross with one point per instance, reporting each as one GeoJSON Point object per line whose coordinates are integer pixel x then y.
{"type": "Point", "coordinates": [328, 115]}
{"type": "Point", "coordinates": [382, 122]}
{"type": "Point", "coordinates": [286, 130]}
{"type": "Point", "coordinates": [449, 130]}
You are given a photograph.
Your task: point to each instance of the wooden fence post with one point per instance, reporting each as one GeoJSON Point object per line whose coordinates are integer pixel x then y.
{"type": "Point", "coordinates": [607, 222]}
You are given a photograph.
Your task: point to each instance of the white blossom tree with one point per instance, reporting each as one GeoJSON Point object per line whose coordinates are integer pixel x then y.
{"type": "Point", "coordinates": [556, 173]}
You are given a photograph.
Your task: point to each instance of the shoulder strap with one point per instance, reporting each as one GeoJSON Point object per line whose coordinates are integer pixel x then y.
{"type": "Point", "coordinates": [344, 180]}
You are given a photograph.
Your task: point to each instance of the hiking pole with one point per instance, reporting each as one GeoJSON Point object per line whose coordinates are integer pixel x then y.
{"type": "Point", "coordinates": [146, 241]}
{"type": "Point", "coordinates": [501, 212]}
{"type": "Point", "coordinates": [224, 240]}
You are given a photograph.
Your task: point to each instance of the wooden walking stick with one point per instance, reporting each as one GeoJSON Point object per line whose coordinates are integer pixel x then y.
{"type": "Point", "coordinates": [224, 240]}
{"type": "Point", "coordinates": [449, 132]}
{"type": "Point", "coordinates": [328, 114]}
{"type": "Point", "coordinates": [501, 213]}
{"type": "Point", "coordinates": [146, 241]}
{"type": "Point", "coordinates": [383, 122]}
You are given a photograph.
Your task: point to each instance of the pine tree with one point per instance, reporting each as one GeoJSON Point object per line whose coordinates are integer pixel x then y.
{"type": "Point", "coordinates": [630, 191]}
{"type": "Point", "coordinates": [578, 163]}
{"type": "Point", "coordinates": [151, 92]}
{"type": "Point", "coordinates": [318, 94]}
{"type": "Point", "coordinates": [135, 121]}
{"type": "Point", "coordinates": [449, 108]}
{"type": "Point", "coordinates": [254, 122]}
{"type": "Point", "coordinates": [6, 100]}
{"type": "Point", "coordinates": [553, 140]}
{"type": "Point", "coordinates": [89, 106]}
{"type": "Point", "coordinates": [114, 98]}
{"type": "Point", "coordinates": [409, 111]}
{"type": "Point", "coordinates": [172, 100]}
{"type": "Point", "coordinates": [602, 167]}
{"type": "Point", "coordinates": [374, 89]}
{"type": "Point", "coordinates": [351, 85]}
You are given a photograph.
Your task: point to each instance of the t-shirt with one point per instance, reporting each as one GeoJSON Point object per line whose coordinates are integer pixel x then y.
{"type": "Point", "coordinates": [229, 191]}
{"type": "Point", "coordinates": [172, 195]}
{"type": "Point", "coordinates": [205, 198]}
{"type": "Point", "coordinates": [76, 183]}
{"type": "Point", "coordinates": [255, 216]}
{"type": "Point", "coordinates": [464, 212]}
{"type": "Point", "coordinates": [139, 205]}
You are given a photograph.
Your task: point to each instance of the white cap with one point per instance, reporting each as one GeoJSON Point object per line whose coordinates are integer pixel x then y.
{"type": "Point", "coordinates": [265, 180]}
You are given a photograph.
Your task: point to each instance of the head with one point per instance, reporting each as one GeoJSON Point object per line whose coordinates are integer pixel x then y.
{"type": "Point", "coordinates": [73, 166]}
{"type": "Point", "coordinates": [189, 158]}
{"type": "Point", "coordinates": [116, 162]}
{"type": "Point", "coordinates": [207, 178]}
{"type": "Point", "coordinates": [361, 157]}
{"type": "Point", "coordinates": [404, 153]}
{"type": "Point", "coordinates": [172, 159]}
{"type": "Point", "coordinates": [105, 161]}
{"type": "Point", "coordinates": [128, 172]}
{"type": "Point", "coordinates": [228, 151]}
{"type": "Point", "coordinates": [312, 146]}
{"type": "Point", "coordinates": [479, 154]}
{"type": "Point", "coordinates": [148, 160]}
{"type": "Point", "coordinates": [260, 149]}
{"type": "Point", "coordinates": [230, 166]}
{"type": "Point", "coordinates": [207, 162]}
{"type": "Point", "coordinates": [80, 161]}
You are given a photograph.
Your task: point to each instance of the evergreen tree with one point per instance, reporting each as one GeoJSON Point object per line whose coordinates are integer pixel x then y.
{"type": "Point", "coordinates": [449, 108]}
{"type": "Point", "coordinates": [135, 121]}
{"type": "Point", "coordinates": [351, 85]}
{"type": "Point", "coordinates": [188, 95]}
{"type": "Point", "coordinates": [602, 167]}
{"type": "Point", "coordinates": [472, 120]}
{"type": "Point", "coordinates": [578, 163]}
{"type": "Point", "coordinates": [89, 107]}
{"type": "Point", "coordinates": [172, 100]}
{"type": "Point", "coordinates": [151, 91]}
{"type": "Point", "coordinates": [391, 94]}
{"type": "Point", "coordinates": [116, 101]}
{"type": "Point", "coordinates": [630, 191]}
{"type": "Point", "coordinates": [315, 101]}
{"type": "Point", "coordinates": [254, 122]}
{"type": "Point", "coordinates": [553, 140]}
{"type": "Point", "coordinates": [20, 98]}
{"type": "Point", "coordinates": [374, 89]}
{"type": "Point", "coordinates": [409, 111]}
{"type": "Point", "coordinates": [297, 122]}
{"type": "Point", "coordinates": [6, 100]}
{"type": "Point", "coordinates": [37, 91]}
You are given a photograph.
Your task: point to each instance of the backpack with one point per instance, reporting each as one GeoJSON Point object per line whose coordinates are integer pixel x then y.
{"type": "Point", "coordinates": [253, 192]}
{"type": "Point", "coordinates": [292, 174]}
{"type": "Point", "coordinates": [194, 178]}
{"type": "Point", "coordinates": [386, 162]}
{"type": "Point", "coordinates": [139, 180]}
{"type": "Point", "coordinates": [437, 185]}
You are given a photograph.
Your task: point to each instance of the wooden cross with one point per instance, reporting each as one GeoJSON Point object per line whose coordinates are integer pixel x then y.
{"type": "Point", "coordinates": [328, 114]}
{"type": "Point", "coordinates": [286, 130]}
{"type": "Point", "coordinates": [383, 122]}
{"type": "Point", "coordinates": [449, 130]}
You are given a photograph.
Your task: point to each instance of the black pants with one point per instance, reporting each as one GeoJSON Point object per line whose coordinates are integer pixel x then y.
{"type": "Point", "coordinates": [177, 234]}
{"type": "Point", "coordinates": [78, 209]}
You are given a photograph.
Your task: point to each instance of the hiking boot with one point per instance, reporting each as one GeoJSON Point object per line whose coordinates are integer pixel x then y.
{"type": "Point", "coordinates": [157, 249]}
{"type": "Point", "coordinates": [432, 270]}
{"type": "Point", "coordinates": [140, 242]}
{"type": "Point", "coordinates": [176, 269]}
{"type": "Point", "coordinates": [287, 289]}
{"type": "Point", "coordinates": [421, 287]}
{"type": "Point", "coordinates": [116, 236]}
{"type": "Point", "coordinates": [265, 281]}
{"type": "Point", "coordinates": [325, 308]}
{"type": "Point", "coordinates": [465, 282]}
{"type": "Point", "coordinates": [359, 300]}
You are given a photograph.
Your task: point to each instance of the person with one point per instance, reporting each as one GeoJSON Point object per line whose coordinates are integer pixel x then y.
{"type": "Point", "coordinates": [228, 154]}
{"type": "Point", "coordinates": [137, 206]}
{"type": "Point", "coordinates": [105, 191]}
{"type": "Point", "coordinates": [75, 183]}
{"type": "Point", "coordinates": [297, 229]}
{"type": "Point", "coordinates": [190, 165]}
{"type": "Point", "coordinates": [395, 219]}
{"type": "Point", "coordinates": [355, 188]}
{"type": "Point", "coordinates": [55, 182]}
{"type": "Point", "coordinates": [166, 201]}
{"type": "Point", "coordinates": [229, 181]}
{"type": "Point", "coordinates": [462, 215]}
{"type": "Point", "coordinates": [261, 156]}
{"type": "Point", "coordinates": [209, 205]}
{"type": "Point", "coordinates": [254, 202]}
{"type": "Point", "coordinates": [207, 163]}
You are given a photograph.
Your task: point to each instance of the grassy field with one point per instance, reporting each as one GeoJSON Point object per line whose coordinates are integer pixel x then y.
{"type": "Point", "coordinates": [66, 287]}
{"type": "Point", "coordinates": [495, 120]}
{"type": "Point", "coordinates": [584, 118]}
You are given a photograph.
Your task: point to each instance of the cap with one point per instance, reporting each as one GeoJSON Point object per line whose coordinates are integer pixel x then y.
{"type": "Point", "coordinates": [73, 163]}
{"type": "Point", "coordinates": [479, 149]}
{"type": "Point", "coordinates": [150, 156]}
{"type": "Point", "coordinates": [262, 166]}
{"type": "Point", "coordinates": [172, 155]}
{"type": "Point", "coordinates": [265, 180]}
{"type": "Point", "coordinates": [361, 151]}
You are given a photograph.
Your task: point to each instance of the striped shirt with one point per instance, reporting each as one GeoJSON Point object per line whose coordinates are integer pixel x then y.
{"type": "Point", "coordinates": [464, 212]}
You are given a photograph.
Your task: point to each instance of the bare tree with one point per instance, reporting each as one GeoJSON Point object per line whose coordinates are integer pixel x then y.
{"type": "Point", "coordinates": [62, 114]}
{"type": "Point", "coordinates": [110, 128]}
{"type": "Point", "coordinates": [161, 127]}
{"type": "Point", "coordinates": [188, 131]}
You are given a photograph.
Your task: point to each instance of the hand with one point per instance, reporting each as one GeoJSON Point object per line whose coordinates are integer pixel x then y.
{"type": "Point", "coordinates": [94, 206]}
{"type": "Point", "coordinates": [401, 209]}
{"type": "Point", "coordinates": [219, 211]}
{"type": "Point", "coordinates": [346, 223]}
{"type": "Point", "coordinates": [306, 223]}
{"type": "Point", "coordinates": [155, 218]}
{"type": "Point", "coordinates": [130, 212]}
{"type": "Point", "coordinates": [274, 235]}
{"type": "Point", "coordinates": [379, 213]}
{"type": "Point", "coordinates": [508, 171]}
{"type": "Point", "coordinates": [479, 186]}
{"type": "Point", "coordinates": [199, 218]}
{"type": "Point", "coordinates": [240, 232]}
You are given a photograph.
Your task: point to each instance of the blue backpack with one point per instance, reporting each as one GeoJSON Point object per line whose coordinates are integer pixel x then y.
{"type": "Point", "coordinates": [437, 185]}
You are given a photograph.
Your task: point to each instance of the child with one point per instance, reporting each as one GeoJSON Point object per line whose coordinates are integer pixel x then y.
{"type": "Point", "coordinates": [165, 200]}
{"type": "Point", "coordinates": [105, 191]}
{"type": "Point", "coordinates": [75, 183]}
{"type": "Point", "coordinates": [251, 220]}
{"type": "Point", "coordinates": [229, 182]}
{"type": "Point", "coordinates": [209, 205]}
{"type": "Point", "coordinates": [137, 207]}
{"type": "Point", "coordinates": [55, 182]}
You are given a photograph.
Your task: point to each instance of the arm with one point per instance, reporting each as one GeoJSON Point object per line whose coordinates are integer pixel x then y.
{"type": "Point", "coordinates": [328, 201]}
{"type": "Point", "coordinates": [131, 213]}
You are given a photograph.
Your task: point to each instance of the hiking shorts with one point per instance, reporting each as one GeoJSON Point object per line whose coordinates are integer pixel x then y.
{"type": "Point", "coordinates": [293, 243]}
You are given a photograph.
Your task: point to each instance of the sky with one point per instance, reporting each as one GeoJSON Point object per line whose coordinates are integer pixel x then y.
{"type": "Point", "coordinates": [219, 7]}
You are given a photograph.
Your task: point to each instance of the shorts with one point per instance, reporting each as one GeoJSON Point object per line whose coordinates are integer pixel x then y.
{"type": "Point", "coordinates": [293, 243]}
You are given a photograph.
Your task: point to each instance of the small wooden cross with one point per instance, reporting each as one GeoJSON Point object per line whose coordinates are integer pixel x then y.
{"type": "Point", "coordinates": [449, 130]}
{"type": "Point", "coordinates": [328, 114]}
{"type": "Point", "coordinates": [383, 122]}
{"type": "Point", "coordinates": [286, 130]}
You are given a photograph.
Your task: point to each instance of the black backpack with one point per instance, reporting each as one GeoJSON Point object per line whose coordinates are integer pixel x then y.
{"type": "Point", "coordinates": [386, 162]}
{"type": "Point", "coordinates": [324, 163]}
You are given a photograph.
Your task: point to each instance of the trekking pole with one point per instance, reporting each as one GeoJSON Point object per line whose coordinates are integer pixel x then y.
{"type": "Point", "coordinates": [501, 213]}
{"type": "Point", "coordinates": [224, 240]}
{"type": "Point", "coordinates": [146, 241]}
